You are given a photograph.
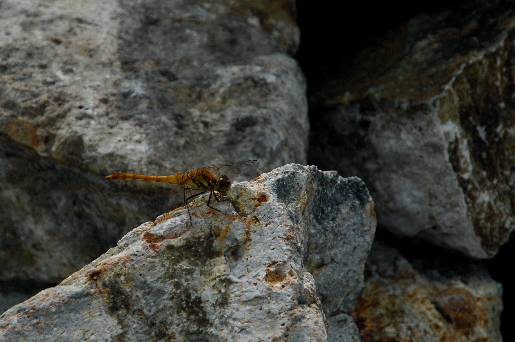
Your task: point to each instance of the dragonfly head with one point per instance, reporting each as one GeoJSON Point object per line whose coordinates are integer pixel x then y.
{"type": "Point", "coordinates": [223, 185]}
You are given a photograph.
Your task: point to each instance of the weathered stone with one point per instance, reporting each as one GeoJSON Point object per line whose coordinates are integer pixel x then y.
{"type": "Point", "coordinates": [429, 127]}
{"type": "Point", "coordinates": [56, 218]}
{"type": "Point", "coordinates": [427, 298]}
{"type": "Point", "coordinates": [286, 247]}
{"type": "Point", "coordinates": [342, 329]}
{"type": "Point", "coordinates": [159, 87]}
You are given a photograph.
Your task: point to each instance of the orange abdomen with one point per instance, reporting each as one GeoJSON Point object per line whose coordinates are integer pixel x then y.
{"type": "Point", "coordinates": [175, 179]}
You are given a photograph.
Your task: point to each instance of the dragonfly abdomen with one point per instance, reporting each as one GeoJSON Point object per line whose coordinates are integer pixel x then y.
{"type": "Point", "coordinates": [175, 179]}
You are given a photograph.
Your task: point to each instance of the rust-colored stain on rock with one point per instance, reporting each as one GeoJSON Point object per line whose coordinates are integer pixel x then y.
{"type": "Point", "coordinates": [93, 275]}
{"type": "Point", "coordinates": [459, 307]}
{"type": "Point", "coordinates": [153, 240]}
{"type": "Point", "coordinates": [275, 274]}
{"type": "Point", "coordinates": [454, 313]}
{"type": "Point", "coordinates": [262, 198]}
{"type": "Point", "coordinates": [24, 132]}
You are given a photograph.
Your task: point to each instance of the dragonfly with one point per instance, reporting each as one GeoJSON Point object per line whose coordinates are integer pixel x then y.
{"type": "Point", "coordinates": [213, 179]}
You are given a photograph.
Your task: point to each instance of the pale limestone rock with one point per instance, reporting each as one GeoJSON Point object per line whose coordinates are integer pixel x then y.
{"type": "Point", "coordinates": [95, 87]}
{"type": "Point", "coordinates": [286, 251]}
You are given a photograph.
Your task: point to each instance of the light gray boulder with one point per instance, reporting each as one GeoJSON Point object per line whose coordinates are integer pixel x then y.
{"type": "Point", "coordinates": [96, 87]}
{"type": "Point", "coordinates": [285, 253]}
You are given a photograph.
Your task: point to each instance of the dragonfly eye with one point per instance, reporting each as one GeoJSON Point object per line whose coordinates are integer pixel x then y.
{"type": "Point", "coordinates": [224, 184]}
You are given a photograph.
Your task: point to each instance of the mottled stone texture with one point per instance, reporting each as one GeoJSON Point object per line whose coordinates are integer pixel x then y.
{"type": "Point", "coordinates": [54, 219]}
{"type": "Point", "coordinates": [286, 251]}
{"type": "Point", "coordinates": [90, 88]}
{"type": "Point", "coordinates": [430, 127]}
{"type": "Point", "coordinates": [427, 298]}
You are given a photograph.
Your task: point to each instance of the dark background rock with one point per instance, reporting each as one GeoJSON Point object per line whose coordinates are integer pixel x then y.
{"type": "Point", "coordinates": [17, 291]}
{"type": "Point", "coordinates": [327, 51]}
{"type": "Point", "coordinates": [429, 296]}
{"type": "Point", "coordinates": [426, 118]}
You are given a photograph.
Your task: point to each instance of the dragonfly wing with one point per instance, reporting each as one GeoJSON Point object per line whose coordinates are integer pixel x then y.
{"type": "Point", "coordinates": [234, 169]}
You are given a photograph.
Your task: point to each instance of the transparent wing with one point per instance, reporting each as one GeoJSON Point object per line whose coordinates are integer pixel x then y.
{"type": "Point", "coordinates": [234, 169]}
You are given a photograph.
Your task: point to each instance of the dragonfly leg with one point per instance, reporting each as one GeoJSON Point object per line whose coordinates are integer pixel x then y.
{"type": "Point", "coordinates": [190, 197]}
{"type": "Point", "coordinates": [193, 196]}
{"type": "Point", "coordinates": [208, 201]}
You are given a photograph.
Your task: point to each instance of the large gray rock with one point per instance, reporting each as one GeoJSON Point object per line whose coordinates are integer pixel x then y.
{"type": "Point", "coordinates": [427, 297]}
{"type": "Point", "coordinates": [429, 127]}
{"type": "Point", "coordinates": [97, 87]}
{"type": "Point", "coordinates": [286, 251]}
{"type": "Point", "coordinates": [53, 218]}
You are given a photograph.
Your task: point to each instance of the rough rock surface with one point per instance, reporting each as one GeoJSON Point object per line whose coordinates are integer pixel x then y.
{"type": "Point", "coordinates": [429, 127]}
{"type": "Point", "coordinates": [53, 219]}
{"type": "Point", "coordinates": [342, 329]}
{"type": "Point", "coordinates": [96, 87]}
{"type": "Point", "coordinates": [426, 298]}
{"type": "Point", "coordinates": [287, 251]}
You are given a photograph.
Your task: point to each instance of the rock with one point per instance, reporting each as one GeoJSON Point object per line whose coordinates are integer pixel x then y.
{"type": "Point", "coordinates": [429, 128]}
{"type": "Point", "coordinates": [427, 298]}
{"type": "Point", "coordinates": [56, 218]}
{"type": "Point", "coordinates": [342, 329]}
{"type": "Point", "coordinates": [153, 87]}
{"type": "Point", "coordinates": [285, 251]}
